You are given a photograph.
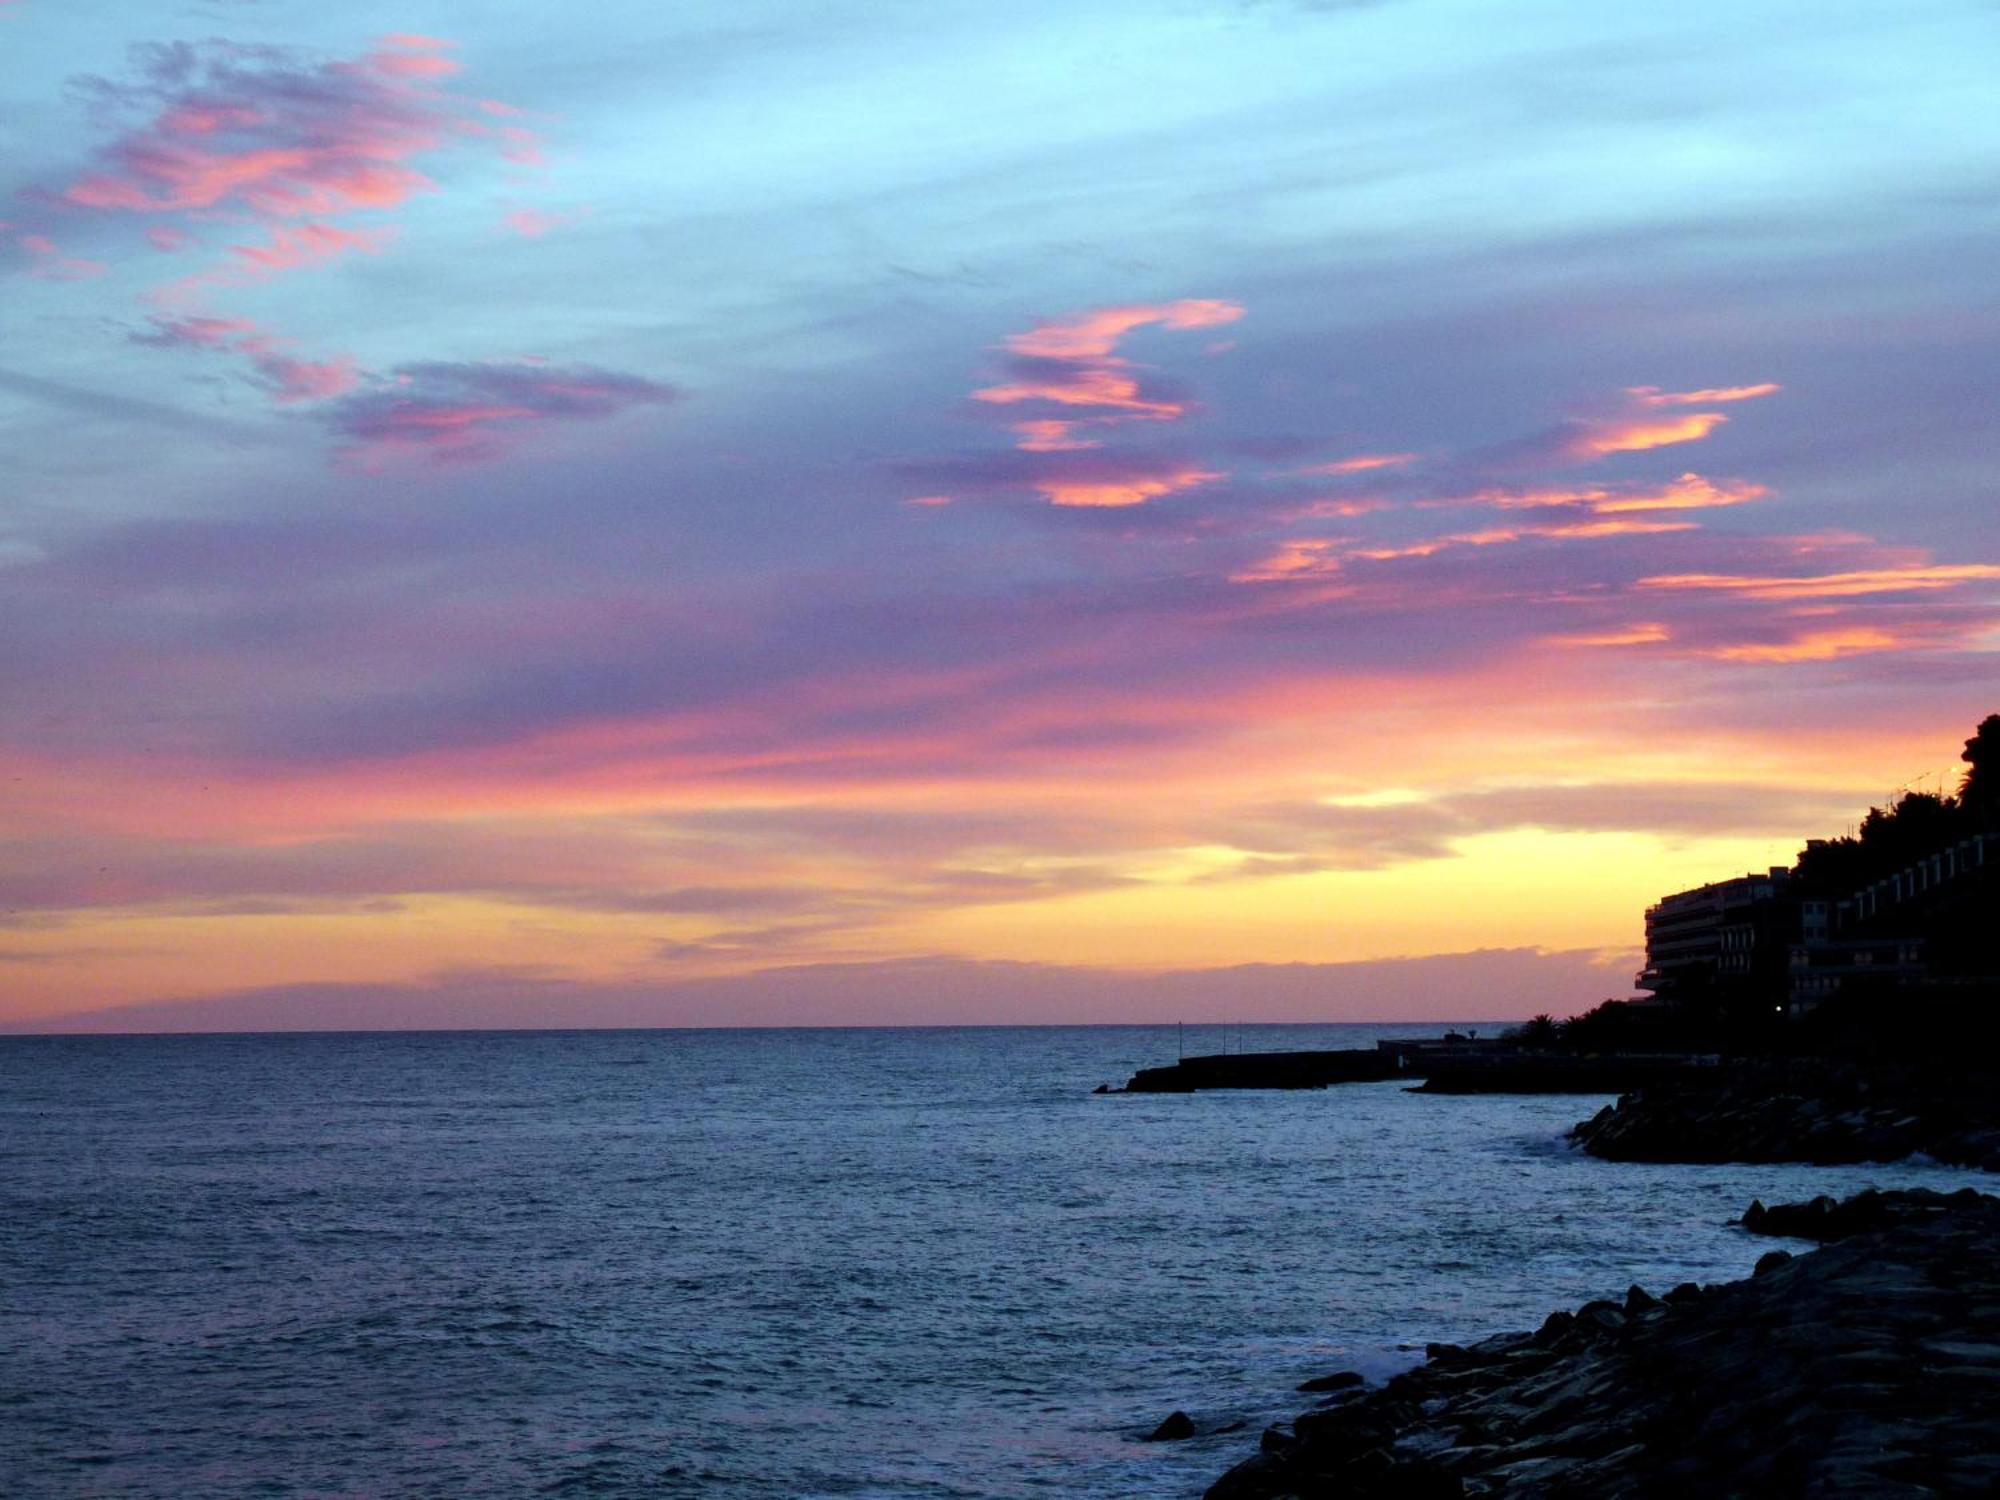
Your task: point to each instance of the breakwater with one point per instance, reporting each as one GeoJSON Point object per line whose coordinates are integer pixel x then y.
{"type": "Point", "coordinates": [1434, 1066]}
{"type": "Point", "coordinates": [1265, 1070]}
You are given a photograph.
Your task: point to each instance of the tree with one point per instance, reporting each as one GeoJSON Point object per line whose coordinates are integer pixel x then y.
{"type": "Point", "coordinates": [1979, 794]}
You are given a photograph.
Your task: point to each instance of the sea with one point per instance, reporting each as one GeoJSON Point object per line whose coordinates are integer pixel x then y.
{"type": "Point", "coordinates": [859, 1263]}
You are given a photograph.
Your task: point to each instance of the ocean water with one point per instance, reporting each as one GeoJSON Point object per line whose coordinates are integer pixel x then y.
{"type": "Point", "coordinates": [879, 1263]}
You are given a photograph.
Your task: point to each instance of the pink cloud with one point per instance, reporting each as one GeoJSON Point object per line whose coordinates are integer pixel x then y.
{"type": "Point", "coordinates": [292, 380]}
{"type": "Point", "coordinates": [1073, 364]}
{"type": "Point", "coordinates": [287, 380]}
{"type": "Point", "coordinates": [48, 263]}
{"type": "Point", "coordinates": [287, 249]}
{"type": "Point", "coordinates": [405, 54]}
{"type": "Point", "coordinates": [239, 127]}
{"type": "Point", "coordinates": [1095, 335]}
{"type": "Point", "coordinates": [1071, 370]}
{"type": "Point", "coordinates": [532, 223]}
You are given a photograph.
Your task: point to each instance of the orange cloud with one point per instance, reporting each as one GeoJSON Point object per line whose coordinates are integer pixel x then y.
{"type": "Point", "coordinates": [1635, 435]}
{"type": "Point", "coordinates": [1817, 645]}
{"type": "Point", "coordinates": [1652, 395]}
{"type": "Point", "coordinates": [1689, 492]}
{"type": "Point", "coordinates": [1122, 492]}
{"type": "Point", "coordinates": [1305, 557]}
{"type": "Point", "coordinates": [1490, 537]}
{"type": "Point", "coordinates": [1360, 464]}
{"type": "Point", "coordinates": [1365, 505]}
{"type": "Point", "coordinates": [1647, 634]}
{"type": "Point", "coordinates": [1829, 585]}
{"type": "Point", "coordinates": [1050, 437]}
{"type": "Point", "coordinates": [1586, 529]}
{"type": "Point", "coordinates": [1497, 535]}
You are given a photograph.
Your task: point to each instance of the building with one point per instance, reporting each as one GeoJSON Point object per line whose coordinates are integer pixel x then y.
{"type": "Point", "coordinates": [1931, 922]}
{"type": "Point", "coordinates": [1730, 935]}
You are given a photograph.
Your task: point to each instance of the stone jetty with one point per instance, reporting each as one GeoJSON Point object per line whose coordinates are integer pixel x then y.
{"type": "Point", "coordinates": [1265, 1070]}
{"type": "Point", "coordinates": [1868, 1367]}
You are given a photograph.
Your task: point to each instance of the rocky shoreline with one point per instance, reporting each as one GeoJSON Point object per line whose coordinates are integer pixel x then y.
{"type": "Point", "coordinates": [1868, 1367]}
{"type": "Point", "coordinates": [1811, 1110]}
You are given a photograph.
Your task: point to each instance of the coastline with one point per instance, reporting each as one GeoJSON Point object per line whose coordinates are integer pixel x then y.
{"type": "Point", "coordinates": [1868, 1366]}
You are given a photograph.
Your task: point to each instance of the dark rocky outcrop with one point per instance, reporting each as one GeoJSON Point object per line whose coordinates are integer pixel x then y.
{"type": "Point", "coordinates": [1813, 1110]}
{"type": "Point", "coordinates": [1828, 1219]}
{"type": "Point", "coordinates": [1176, 1427]}
{"type": "Point", "coordinates": [1868, 1367]}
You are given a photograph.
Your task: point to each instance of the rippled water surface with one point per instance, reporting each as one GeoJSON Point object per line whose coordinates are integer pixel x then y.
{"type": "Point", "coordinates": [758, 1264]}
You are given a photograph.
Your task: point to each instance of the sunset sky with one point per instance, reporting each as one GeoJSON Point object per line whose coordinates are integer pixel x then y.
{"type": "Point", "coordinates": [865, 510]}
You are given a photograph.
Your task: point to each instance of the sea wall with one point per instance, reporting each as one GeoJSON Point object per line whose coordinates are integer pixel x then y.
{"type": "Point", "coordinates": [1869, 1367]}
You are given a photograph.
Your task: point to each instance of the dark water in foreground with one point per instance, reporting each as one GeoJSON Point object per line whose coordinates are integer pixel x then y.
{"type": "Point", "coordinates": [757, 1264]}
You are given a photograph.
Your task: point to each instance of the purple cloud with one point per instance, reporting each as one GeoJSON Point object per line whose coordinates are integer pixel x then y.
{"type": "Point", "coordinates": [444, 412]}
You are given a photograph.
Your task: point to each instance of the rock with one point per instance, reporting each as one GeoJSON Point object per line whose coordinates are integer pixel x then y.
{"type": "Point", "coordinates": [1770, 1260]}
{"type": "Point", "coordinates": [1175, 1428]}
{"type": "Point", "coordinates": [1804, 1109]}
{"type": "Point", "coordinates": [1870, 1367]}
{"type": "Point", "coordinates": [1339, 1381]}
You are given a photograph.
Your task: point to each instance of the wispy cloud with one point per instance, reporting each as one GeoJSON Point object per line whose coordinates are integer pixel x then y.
{"type": "Point", "coordinates": [1652, 395]}
{"type": "Point", "coordinates": [1070, 376]}
{"type": "Point", "coordinates": [1916, 577]}
{"type": "Point", "coordinates": [286, 377]}
{"type": "Point", "coordinates": [442, 412]}
{"type": "Point", "coordinates": [258, 129]}
{"type": "Point", "coordinates": [47, 261]}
